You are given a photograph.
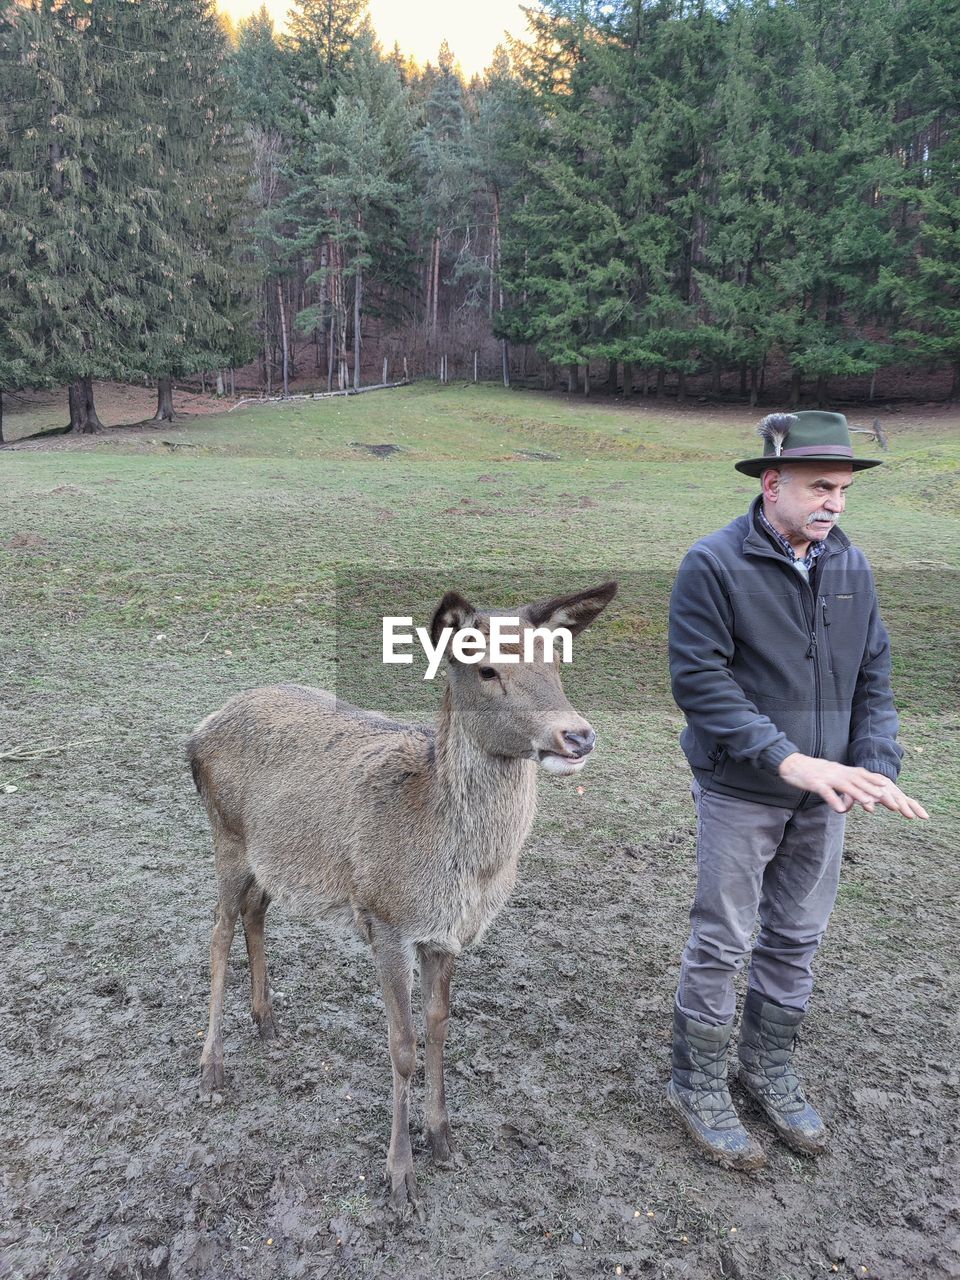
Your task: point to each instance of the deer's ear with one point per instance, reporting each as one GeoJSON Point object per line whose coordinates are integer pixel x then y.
{"type": "Point", "coordinates": [573, 612]}
{"type": "Point", "coordinates": [452, 611]}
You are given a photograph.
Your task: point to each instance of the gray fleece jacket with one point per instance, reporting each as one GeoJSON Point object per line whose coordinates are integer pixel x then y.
{"type": "Point", "coordinates": [764, 664]}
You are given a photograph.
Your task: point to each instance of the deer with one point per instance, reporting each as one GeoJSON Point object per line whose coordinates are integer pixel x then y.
{"type": "Point", "coordinates": [413, 833]}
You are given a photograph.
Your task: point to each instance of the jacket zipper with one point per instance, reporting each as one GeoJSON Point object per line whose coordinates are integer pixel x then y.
{"type": "Point", "coordinates": [826, 634]}
{"type": "Point", "coordinates": [812, 652]}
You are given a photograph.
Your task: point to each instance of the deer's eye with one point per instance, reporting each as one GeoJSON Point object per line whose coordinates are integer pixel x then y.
{"type": "Point", "coordinates": [488, 673]}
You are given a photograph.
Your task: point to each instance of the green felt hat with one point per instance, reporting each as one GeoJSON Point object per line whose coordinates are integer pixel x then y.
{"type": "Point", "coordinates": [811, 436]}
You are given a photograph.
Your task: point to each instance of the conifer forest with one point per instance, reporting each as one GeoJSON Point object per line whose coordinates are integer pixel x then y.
{"type": "Point", "coordinates": [741, 200]}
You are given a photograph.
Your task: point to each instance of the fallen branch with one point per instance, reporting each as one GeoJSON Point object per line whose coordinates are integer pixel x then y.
{"type": "Point", "coordinates": [876, 434]}
{"type": "Point", "coordinates": [24, 753]}
{"type": "Point", "coordinates": [319, 395]}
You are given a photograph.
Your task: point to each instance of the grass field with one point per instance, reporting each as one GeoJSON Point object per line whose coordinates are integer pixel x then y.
{"type": "Point", "coordinates": [147, 575]}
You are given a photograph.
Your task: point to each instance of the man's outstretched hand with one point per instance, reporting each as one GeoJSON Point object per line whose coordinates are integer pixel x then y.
{"type": "Point", "coordinates": [842, 786]}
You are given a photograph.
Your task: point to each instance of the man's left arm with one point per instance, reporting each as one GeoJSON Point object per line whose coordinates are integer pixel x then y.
{"type": "Point", "coordinates": [874, 754]}
{"type": "Point", "coordinates": [873, 717]}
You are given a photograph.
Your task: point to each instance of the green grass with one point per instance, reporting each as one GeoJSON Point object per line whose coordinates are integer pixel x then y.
{"type": "Point", "coordinates": [160, 580]}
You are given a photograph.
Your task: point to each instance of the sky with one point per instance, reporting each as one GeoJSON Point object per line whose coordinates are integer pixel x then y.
{"type": "Point", "coordinates": [473, 28]}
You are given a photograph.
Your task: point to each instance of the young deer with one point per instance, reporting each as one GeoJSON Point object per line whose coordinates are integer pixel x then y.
{"type": "Point", "coordinates": [413, 832]}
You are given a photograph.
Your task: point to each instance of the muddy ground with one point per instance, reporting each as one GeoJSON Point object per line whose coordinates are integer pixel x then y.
{"type": "Point", "coordinates": [572, 1166]}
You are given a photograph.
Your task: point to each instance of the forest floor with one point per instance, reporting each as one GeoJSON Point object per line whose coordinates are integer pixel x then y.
{"type": "Point", "coordinates": [147, 576]}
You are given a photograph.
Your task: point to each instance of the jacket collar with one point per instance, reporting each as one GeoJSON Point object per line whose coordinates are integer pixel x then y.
{"type": "Point", "coordinates": [757, 543]}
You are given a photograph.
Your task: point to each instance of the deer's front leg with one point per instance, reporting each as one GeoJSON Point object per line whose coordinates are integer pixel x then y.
{"type": "Point", "coordinates": [394, 957]}
{"type": "Point", "coordinates": [436, 971]}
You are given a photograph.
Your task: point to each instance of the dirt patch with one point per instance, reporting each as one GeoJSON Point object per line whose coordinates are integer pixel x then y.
{"type": "Point", "coordinates": [25, 542]}
{"type": "Point", "coordinates": [377, 450]}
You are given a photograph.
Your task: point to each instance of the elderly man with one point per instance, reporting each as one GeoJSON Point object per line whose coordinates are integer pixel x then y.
{"type": "Point", "coordinates": [781, 665]}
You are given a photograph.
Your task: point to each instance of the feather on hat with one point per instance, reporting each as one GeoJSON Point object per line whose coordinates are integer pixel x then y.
{"type": "Point", "coordinates": [775, 428]}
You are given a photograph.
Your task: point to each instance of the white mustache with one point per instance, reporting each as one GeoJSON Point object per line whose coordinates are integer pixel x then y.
{"type": "Point", "coordinates": [823, 515]}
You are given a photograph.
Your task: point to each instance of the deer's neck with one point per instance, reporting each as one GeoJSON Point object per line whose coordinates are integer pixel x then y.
{"type": "Point", "coordinates": [486, 803]}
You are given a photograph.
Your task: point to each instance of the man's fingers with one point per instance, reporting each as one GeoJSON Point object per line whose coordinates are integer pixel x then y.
{"type": "Point", "coordinates": [875, 783]}
{"type": "Point", "coordinates": [900, 803]}
{"type": "Point", "coordinates": [832, 798]}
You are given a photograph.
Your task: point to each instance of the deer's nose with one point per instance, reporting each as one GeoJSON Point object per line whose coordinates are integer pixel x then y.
{"type": "Point", "coordinates": [579, 744]}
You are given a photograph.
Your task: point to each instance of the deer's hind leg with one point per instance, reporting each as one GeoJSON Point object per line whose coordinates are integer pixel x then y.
{"type": "Point", "coordinates": [233, 882]}
{"type": "Point", "coordinates": [253, 912]}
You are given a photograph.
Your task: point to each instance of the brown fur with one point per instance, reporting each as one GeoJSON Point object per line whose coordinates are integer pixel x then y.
{"type": "Point", "coordinates": [413, 831]}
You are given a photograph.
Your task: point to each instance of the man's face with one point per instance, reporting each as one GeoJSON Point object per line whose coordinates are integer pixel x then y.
{"type": "Point", "coordinates": [806, 499]}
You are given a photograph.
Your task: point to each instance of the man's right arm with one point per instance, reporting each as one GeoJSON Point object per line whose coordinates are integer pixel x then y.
{"type": "Point", "coordinates": [842, 786]}
{"type": "Point", "coordinates": [701, 651]}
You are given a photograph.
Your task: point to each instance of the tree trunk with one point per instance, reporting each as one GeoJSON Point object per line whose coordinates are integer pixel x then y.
{"type": "Point", "coordinates": [93, 421]}
{"type": "Point", "coordinates": [165, 411]}
{"type": "Point", "coordinates": [340, 310]}
{"type": "Point", "coordinates": [265, 351]}
{"type": "Point", "coordinates": [83, 412]}
{"type": "Point", "coordinates": [611, 383]}
{"type": "Point", "coordinates": [754, 377]}
{"type": "Point", "coordinates": [661, 380]}
{"type": "Point", "coordinates": [573, 377]}
{"type": "Point", "coordinates": [285, 341]}
{"type": "Point", "coordinates": [716, 386]}
{"type": "Point", "coordinates": [681, 387]}
{"type": "Point", "coordinates": [794, 390]}
{"type": "Point", "coordinates": [357, 301]}
{"type": "Point", "coordinates": [821, 391]}
{"type": "Point", "coordinates": [627, 379]}
{"type": "Point", "coordinates": [505, 349]}
{"type": "Point", "coordinates": [436, 280]}
{"type": "Point", "coordinates": [743, 379]}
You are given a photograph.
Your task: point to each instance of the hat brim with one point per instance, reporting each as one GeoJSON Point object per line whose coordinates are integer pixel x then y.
{"type": "Point", "coordinates": [757, 466]}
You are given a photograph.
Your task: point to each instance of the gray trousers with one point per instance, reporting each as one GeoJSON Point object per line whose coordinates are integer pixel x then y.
{"type": "Point", "coordinates": [757, 859]}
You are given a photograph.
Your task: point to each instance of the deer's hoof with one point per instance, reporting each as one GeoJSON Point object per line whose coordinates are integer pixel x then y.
{"type": "Point", "coordinates": [212, 1078]}
{"type": "Point", "coordinates": [402, 1198]}
{"type": "Point", "coordinates": [267, 1025]}
{"type": "Point", "coordinates": [441, 1145]}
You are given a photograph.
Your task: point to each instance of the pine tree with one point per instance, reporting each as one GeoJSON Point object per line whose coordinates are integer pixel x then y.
{"type": "Point", "coordinates": [70, 175]}
{"type": "Point", "coordinates": [446, 164]}
{"type": "Point", "coordinates": [120, 182]}
{"type": "Point", "coordinates": [322, 34]}
{"type": "Point", "coordinates": [21, 354]}
{"type": "Point", "coordinates": [347, 198]}
{"type": "Point", "coordinates": [202, 319]}
{"type": "Point", "coordinates": [924, 285]}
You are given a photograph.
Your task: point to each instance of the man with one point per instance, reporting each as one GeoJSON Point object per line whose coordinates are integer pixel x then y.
{"type": "Point", "coordinates": [781, 666]}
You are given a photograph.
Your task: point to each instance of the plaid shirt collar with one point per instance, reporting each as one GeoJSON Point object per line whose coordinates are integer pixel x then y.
{"type": "Point", "coordinates": [802, 564]}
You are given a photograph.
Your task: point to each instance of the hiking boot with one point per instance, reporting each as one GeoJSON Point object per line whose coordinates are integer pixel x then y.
{"type": "Point", "coordinates": [768, 1039]}
{"type": "Point", "coordinates": [699, 1094]}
